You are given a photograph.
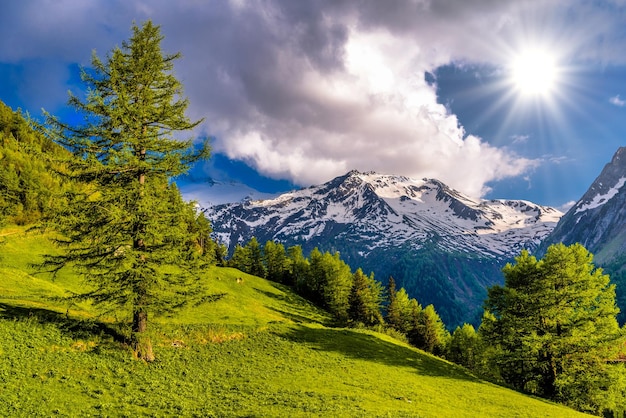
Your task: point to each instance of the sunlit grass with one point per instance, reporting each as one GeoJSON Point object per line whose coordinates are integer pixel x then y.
{"type": "Point", "coordinates": [258, 351]}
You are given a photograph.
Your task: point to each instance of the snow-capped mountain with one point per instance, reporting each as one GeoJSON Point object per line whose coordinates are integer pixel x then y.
{"type": "Point", "coordinates": [442, 246]}
{"type": "Point", "coordinates": [372, 211]}
{"type": "Point", "coordinates": [598, 219]}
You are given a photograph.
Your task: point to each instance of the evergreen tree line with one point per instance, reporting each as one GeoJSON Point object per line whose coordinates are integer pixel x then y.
{"type": "Point", "coordinates": [353, 298]}
{"type": "Point", "coordinates": [551, 330]}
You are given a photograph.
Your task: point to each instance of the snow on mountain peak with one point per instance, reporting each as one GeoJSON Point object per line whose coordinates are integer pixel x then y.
{"type": "Point", "coordinates": [601, 198]}
{"type": "Point", "coordinates": [374, 210]}
{"type": "Point", "coordinates": [606, 186]}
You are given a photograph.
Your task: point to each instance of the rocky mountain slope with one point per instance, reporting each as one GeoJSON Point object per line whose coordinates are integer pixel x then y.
{"type": "Point", "coordinates": [598, 221]}
{"type": "Point", "coordinates": [442, 246]}
{"type": "Point", "coordinates": [378, 211]}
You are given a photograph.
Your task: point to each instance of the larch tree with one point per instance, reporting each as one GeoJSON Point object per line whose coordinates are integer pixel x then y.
{"type": "Point", "coordinates": [429, 332]}
{"type": "Point", "coordinates": [398, 308]}
{"type": "Point", "coordinates": [124, 231]}
{"type": "Point", "coordinates": [255, 253]}
{"type": "Point", "coordinates": [554, 322]}
{"type": "Point", "coordinates": [298, 268]}
{"type": "Point", "coordinates": [365, 300]}
{"type": "Point", "coordinates": [464, 347]}
{"type": "Point", "coordinates": [276, 261]}
{"type": "Point", "coordinates": [240, 259]}
{"type": "Point", "coordinates": [337, 283]}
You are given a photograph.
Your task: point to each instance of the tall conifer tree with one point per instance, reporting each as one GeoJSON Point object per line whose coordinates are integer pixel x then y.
{"type": "Point", "coordinates": [555, 324]}
{"type": "Point", "coordinates": [126, 233]}
{"type": "Point", "coordinates": [365, 300]}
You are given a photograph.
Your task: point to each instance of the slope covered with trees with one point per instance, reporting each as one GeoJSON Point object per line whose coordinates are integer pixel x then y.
{"type": "Point", "coordinates": [551, 330]}
{"type": "Point", "coordinates": [29, 185]}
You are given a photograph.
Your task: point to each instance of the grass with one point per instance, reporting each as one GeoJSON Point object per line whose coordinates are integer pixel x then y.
{"type": "Point", "coordinates": [259, 351]}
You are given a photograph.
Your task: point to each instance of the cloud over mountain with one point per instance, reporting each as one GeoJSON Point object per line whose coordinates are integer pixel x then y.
{"type": "Point", "coordinates": [308, 90]}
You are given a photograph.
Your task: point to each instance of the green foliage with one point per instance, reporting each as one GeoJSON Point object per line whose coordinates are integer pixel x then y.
{"type": "Point", "coordinates": [128, 231]}
{"type": "Point", "coordinates": [354, 299]}
{"type": "Point", "coordinates": [465, 347]}
{"type": "Point", "coordinates": [255, 254]}
{"type": "Point", "coordinates": [299, 268]}
{"type": "Point", "coordinates": [365, 300]}
{"type": "Point", "coordinates": [29, 185]}
{"type": "Point", "coordinates": [323, 278]}
{"type": "Point", "coordinates": [327, 281]}
{"type": "Point", "coordinates": [423, 327]}
{"type": "Point", "coordinates": [313, 284]}
{"type": "Point", "coordinates": [240, 259]}
{"type": "Point", "coordinates": [260, 350]}
{"type": "Point", "coordinates": [429, 332]}
{"type": "Point", "coordinates": [399, 308]}
{"type": "Point", "coordinates": [554, 323]}
{"type": "Point", "coordinates": [276, 262]}
{"type": "Point", "coordinates": [199, 229]}
{"type": "Point", "coordinates": [249, 258]}
{"type": "Point", "coordinates": [336, 285]}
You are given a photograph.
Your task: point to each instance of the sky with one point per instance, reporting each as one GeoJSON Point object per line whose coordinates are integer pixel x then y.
{"type": "Point", "coordinates": [498, 99]}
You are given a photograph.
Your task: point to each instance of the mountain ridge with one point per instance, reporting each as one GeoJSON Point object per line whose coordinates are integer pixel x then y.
{"type": "Point", "coordinates": [597, 220]}
{"type": "Point", "coordinates": [378, 203]}
{"type": "Point", "coordinates": [401, 227]}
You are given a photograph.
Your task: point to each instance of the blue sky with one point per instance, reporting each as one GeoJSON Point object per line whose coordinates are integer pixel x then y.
{"type": "Point", "coordinates": [296, 93]}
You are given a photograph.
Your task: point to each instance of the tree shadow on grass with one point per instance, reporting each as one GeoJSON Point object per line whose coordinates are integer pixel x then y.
{"type": "Point", "coordinates": [363, 346]}
{"type": "Point", "coordinates": [76, 328]}
{"type": "Point", "coordinates": [301, 310]}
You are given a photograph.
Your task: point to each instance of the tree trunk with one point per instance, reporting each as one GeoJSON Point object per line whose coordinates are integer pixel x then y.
{"type": "Point", "coordinates": [142, 346]}
{"type": "Point", "coordinates": [548, 382]}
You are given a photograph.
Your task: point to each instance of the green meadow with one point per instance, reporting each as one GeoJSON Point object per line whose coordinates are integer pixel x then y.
{"type": "Point", "coordinates": [258, 350]}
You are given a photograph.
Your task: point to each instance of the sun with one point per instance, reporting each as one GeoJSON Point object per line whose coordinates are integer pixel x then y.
{"type": "Point", "coordinates": [534, 72]}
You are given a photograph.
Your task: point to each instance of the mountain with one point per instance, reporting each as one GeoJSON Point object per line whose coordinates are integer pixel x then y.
{"type": "Point", "coordinates": [598, 221]}
{"type": "Point", "coordinates": [444, 247]}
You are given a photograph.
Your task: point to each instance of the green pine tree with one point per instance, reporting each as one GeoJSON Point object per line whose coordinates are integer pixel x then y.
{"type": "Point", "coordinates": [464, 347]}
{"type": "Point", "coordinates": [337, 283]}
{"type": "Point", "coordinates": [298, 268]}
{"type": "Point", "coordinates": [313, 285]}
{"type": "Point", "coordinates": [240, 259]}
{"type": "Point", "coordinates": [365, 300]}
{"type": "Point", "coordinates": [398, 309]}
{"type": "Point", "coordinates": [429, 332]}
{"type": "Point", "coordinates": [554, 322]}
{"type": "Point", "coordinates": [276, 262]}
{"type": "Point", "coordinates": [255, 254]}
{"type": "Point", "coordinates": [126, 232]}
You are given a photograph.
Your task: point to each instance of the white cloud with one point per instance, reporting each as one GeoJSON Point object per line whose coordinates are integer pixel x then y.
{"type": "Point", "coordinates": [566, 206]}
{"type": "Point", "coordinates": [617, 101]}
{"type": "Point", "coordinates": [309, 90]}
{"type": "Point", "coordinates": [371, 109]}
{"type": "Point", "coordinates": [520, 139]}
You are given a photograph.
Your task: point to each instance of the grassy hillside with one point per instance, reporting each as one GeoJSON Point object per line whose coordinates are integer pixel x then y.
{"type": "Point", "coordinates": [260, 350]}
